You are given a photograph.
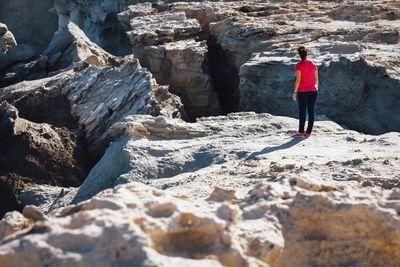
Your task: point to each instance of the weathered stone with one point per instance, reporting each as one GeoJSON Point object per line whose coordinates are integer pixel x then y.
{"type": "Point", "coordinates": [161, 28]}
{"type": "Point", "coordinates": [11, 223]}
{"type": "Point", "coordinates": [171, 153]}
{"type": "Point", "coordinates": [7, 41]}
{"type": "Point", "coordinates": [70, 45]}
{"type": "Point", "coordinates": [180, 65]}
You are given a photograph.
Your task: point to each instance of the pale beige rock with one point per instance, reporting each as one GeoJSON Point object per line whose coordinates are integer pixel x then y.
{"type": "Point", "coordinates": [137, 224]}
{"type": "Point", "coordinates": [69, 45]}
{"type": "Point", "coordinates": [161, 28]}
{"type": "Point", "coordinates": [12, 222]}
{"type": "Point", "coordinates": [180, 65]}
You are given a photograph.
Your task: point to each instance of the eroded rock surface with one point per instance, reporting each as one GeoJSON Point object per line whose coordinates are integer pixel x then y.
{"type": "Point", "coordinates": [240, 149]}
{"type": "Point", "coordinates": [7, 40]}
{"type": "Point", "coordinates": [165, 43]}
{"type": "Point", "coordinates": [272, 225]}
{"type": "Point", "coordinates": [55, 126]}
{"type": "Point", "coordinates": [252, 52]}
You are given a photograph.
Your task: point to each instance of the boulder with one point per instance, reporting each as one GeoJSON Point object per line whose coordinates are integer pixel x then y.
{"type": "Point", "coordinates": [7, 40]}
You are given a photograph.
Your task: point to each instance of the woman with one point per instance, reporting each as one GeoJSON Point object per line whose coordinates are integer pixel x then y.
{"type": "Point", "coordinates": [306, 90]}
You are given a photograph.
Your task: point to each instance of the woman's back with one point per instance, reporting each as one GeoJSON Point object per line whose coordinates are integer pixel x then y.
{"type": "Point", "coordinates": [307, 69]}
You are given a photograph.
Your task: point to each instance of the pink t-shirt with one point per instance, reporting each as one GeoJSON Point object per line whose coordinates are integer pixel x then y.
{"type": "Point", "coordinates": [307, 69]}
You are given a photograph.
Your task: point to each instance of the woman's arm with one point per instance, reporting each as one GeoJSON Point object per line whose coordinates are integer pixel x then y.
{"type": "Point", "coordinates": [316, 78]}
{"type": "Point", "coordinates": [296, 87]}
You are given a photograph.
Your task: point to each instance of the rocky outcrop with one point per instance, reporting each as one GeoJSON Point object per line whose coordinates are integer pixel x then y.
{"type": "Point", "coordinates": [69, 45]}
{"type": "Point", "coordinates": [180, 65]}
{"type": "Point", "coordinates": [271, 225]}
{"type": "Point", "coordinates": [165, 44]}
{"type": "Point", "coordinates": [56, 126]}
{"type": "Point", "coordinates": [242, 149]}
{"type": "Point", "coordinates": [252, 52]}
{"type": "Point", "coordinates": [7, 40]}
{"type": "Point", "coordinates": [352, 56]}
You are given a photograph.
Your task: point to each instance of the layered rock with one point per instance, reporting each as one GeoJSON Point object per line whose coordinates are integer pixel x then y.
{"type": "Point", "coordinates": [69, 45]}
{"type": "Point", "coordinates": [271, 225]}
{"type": "Point", "coordinates": [165, 43]}
{"type": "Point", "coordinates": [56, 126]}
{"type": "Point", "coordinates": [352, 56]}
{"type": "Point", "coordinates": [252, 53]}
{"type": "Point", "coordinates": [240, 149]}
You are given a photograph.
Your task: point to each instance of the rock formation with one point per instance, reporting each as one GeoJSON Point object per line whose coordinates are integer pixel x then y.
{"type": "Point", "coordinates": [252, 53]}
{"type": "Point", "coordinates": [100, 166]}
{"type": "Point", "coordinates": [272, 225]}
{"type": "Point", "coordinates": [165, 44]}
{"type": "Point", "coordinates": [7, 40]}
{"type": "Point", "coordinates": [55, 126]}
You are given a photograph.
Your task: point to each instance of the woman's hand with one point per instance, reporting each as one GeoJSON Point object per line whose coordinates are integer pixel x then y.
{"type": "Point", "coordinates": [294, 97]}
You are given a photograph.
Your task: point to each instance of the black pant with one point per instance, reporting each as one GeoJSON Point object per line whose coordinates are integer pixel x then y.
{"type": "Point", "coordinates": [306, 101]}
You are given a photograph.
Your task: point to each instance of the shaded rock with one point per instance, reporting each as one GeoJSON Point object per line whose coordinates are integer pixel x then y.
{"type": "Point", "coordinates": [3, 28]}
{"type": "Point", "coordinates": [7, 41]}
{"type": "Point", "coordinates": [47, 197]}
{"type": "Point", "coordinates": [39, 153]}
{"type": "Point", "coordinates": [32, 22]}
{"type": "Point", "coordinates": [180, 65]}
{"type": "Point", "coordinates": [98, 19]}
{"type": "Point", "coordinates": [19, 53]}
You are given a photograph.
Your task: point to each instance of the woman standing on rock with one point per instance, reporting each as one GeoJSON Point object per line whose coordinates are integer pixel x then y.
{"type": "Point", "coordinates": [306, 90]}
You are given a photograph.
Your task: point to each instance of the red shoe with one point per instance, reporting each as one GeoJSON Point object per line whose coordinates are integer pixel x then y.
{"type": "Point", "coordinates": [298, 135]}
{"type": "Point", "coordinates": [307, 134]}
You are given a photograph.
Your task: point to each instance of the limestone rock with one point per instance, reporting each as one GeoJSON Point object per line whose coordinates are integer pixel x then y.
{"type": "Point", "coordinates": [180, 65]}
{"type": "Point", "coordinates": [337, 229]}
{"type": "Point", "coordinates": [61, 126]}
{"type": "Point", "coordinates": [138, 224]}
{"type": "Point", "coordinates": [161, 28]}
{"type": "Point", "coordinates": [70, 45]}
{"type": "Point", "coordinates": [157, 37]}
{"type": "Point", "coordinates": [11, 223]}
{"type": "Point", "coordinates": [271, 225]}
{"type": "Point", "coordinates": [241, 149]}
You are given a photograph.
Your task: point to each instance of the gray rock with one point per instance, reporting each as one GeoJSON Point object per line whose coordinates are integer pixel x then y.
{"type": "Point", "coordinates": [46, 197]}
{"type": "Point", "coordinates": [31, 21]}
{"type": "Point", "coordinates": [7, 42]}
{"type": "Point", "coordinates": [20, 53]}
{"type": "Point", "coordinates": [180, 65]}
{"type": "Point", "coordinates": [3, 28]}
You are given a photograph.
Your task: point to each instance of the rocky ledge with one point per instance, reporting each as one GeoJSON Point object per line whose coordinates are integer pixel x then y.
{"type": "Point", "coordinates": [237, 191]}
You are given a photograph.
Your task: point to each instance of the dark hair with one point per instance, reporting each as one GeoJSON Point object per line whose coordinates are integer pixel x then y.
{"type": "Point", "coordinates": [302, 52]}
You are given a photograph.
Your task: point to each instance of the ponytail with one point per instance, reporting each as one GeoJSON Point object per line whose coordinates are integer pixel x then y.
{"type": "Point", "coordinates": [302, 52]}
